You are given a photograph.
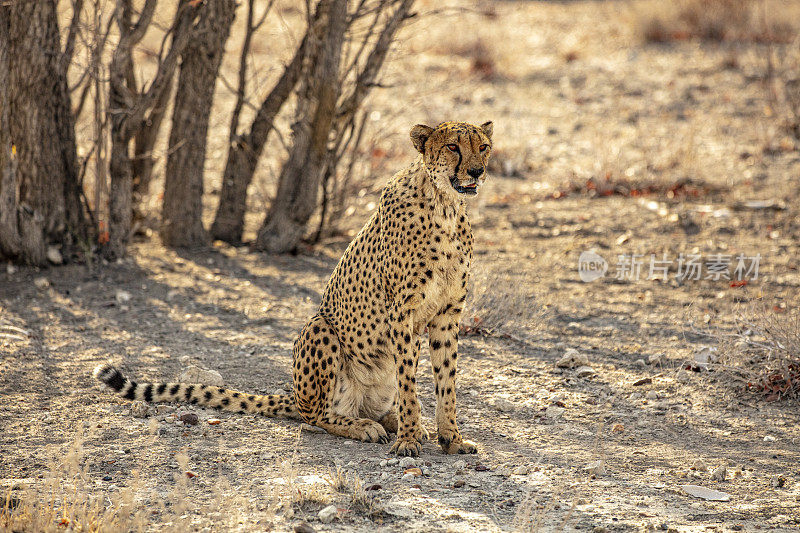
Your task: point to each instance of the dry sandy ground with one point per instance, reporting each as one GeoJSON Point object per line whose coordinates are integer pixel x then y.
{"type": "Point", "coordinates": [573, 97]}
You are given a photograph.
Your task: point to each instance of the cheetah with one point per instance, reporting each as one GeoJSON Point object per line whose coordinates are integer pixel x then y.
{"type": "Point", "coordinates": [355, 361]}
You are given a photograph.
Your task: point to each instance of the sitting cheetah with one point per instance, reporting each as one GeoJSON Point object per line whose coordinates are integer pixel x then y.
{"type": "Point", "coordinates": [355, 361]}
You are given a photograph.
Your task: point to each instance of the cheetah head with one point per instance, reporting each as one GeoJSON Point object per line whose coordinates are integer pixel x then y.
{"type": "Point", "coordinates": [455, 155]}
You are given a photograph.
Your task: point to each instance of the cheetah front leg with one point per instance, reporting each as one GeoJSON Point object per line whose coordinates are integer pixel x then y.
{"type": "Point", "coordinates": [443, 339]}
{"type": "Point", "coordinates": [410, 432]}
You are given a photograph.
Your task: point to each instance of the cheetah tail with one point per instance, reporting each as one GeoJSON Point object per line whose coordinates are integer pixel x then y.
{"type": "Point", "coordinates": [272, 405]}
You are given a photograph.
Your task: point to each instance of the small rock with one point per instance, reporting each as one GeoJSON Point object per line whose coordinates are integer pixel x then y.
{"type": "Point", "coordinates": [195, 374]}
{"type": "Point", "coordinates": [461, 464]}
{"type": "Point", "coordinates": [596, 468]}
{"type": "Point", "coordinates": [383, 464]}
{"type": "Point", "coordinates": [414, 471]}
{"type": "Point", "coordinates": [651, 395]}
{"type": "Point", "coordinates": [778, 482]}
{"type": "Point", "coordinates": [122, 297]}
{"type": "Point", "coordinates": [520, 471]}
{"type": "Point", "coordinates": [700, 466]}
{"type": "Point", "coordinates": [139, 409]}
{"type": "Point", "coordinates": [327, 514]}
{"type": "Point", "coordinates": [481, 468]}
{"type": "Point", "coordinates": [11, 269]}
{"type": "Point", "coordinates": [554, 412]}
{"type": "Point", "coordinates": [393, 461]}
{"type": "Point", "coordinates": [643, 381]}
{"type": "Point", "coordinates": [503, 471]}
{"type": "Point", "coordinates": [458, 484]}
{"type": "Point", "coordinates": [106, 478]}
{"type": "Point", "coordinates": [719, 473]}
{"type": "Point", "coordinates": [640, 362]}
{"type": "Point", "coordinates": [41, 283]}
{"type": "Point", "coordinates": [407, 462]}
{"type": "Point", "coordinates": [408, 477]}
{"type": "Point", "coordinates": [585, 371]}
{"type": "Point", "coordinates": [769, 438]}
{"type": "Point", "coordinates": [190, 474]}
{"type": "Point", "coordinates": [214, 421]}
{"type": "Point", "coordinates": [503, 405]}
{"type": "Point", "coordinates": [189, 418]}
{"type": "Point", "coordinates": [54, 255]}
{"type": "Point", "coordinates": [634, 396]}
{"type": "Point", "coordinates": [304, 527]}
{"type": "Point", "coordinates": [572, 358]}
{"type": "Point", "coordinates": [706, 493]}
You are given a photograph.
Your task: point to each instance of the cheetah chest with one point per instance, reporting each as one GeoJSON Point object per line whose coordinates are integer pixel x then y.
{"type": "Point", "coordinates": [448, 264]}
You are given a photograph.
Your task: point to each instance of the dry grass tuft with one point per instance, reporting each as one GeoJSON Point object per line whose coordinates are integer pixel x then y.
{"type": "Point", "coordinates": [710, 20]}
{"type": "Point", "coordinates": [500, 303]}
{"type": "Point", "coordinates": [762, 354]}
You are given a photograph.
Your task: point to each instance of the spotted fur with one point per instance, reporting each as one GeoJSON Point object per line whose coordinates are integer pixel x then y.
{"type": "Point", "coordinates": [355, 361]}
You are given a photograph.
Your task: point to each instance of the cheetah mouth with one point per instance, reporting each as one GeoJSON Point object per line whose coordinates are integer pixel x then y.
{"type": "Point", "coordinates": [470, 188]}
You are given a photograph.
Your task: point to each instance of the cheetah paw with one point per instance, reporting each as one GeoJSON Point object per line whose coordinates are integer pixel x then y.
{"type": "Point", "coordinates": [454, 443]}
{"type": "Point", "coordinates": [407, 446]}
{"type": "Point", "coordinates": [369, 431]}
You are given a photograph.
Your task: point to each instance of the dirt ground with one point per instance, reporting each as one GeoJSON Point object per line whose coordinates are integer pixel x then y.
{"type": "Point", "coordinates": [580, 106]}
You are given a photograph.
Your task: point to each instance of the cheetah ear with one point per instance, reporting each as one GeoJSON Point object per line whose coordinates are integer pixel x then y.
{"type": "Point", "coordinates": [420, 134]}
{"type": "Point", "coordinates": [488, 128]}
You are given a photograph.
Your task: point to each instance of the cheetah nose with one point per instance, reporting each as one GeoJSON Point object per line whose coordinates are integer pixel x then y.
{"type": "Point", "coordinates": [475, 172]}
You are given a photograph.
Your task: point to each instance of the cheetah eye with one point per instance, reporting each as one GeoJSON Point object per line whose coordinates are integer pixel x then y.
{"type": "Point", "coordinates": [452, 147]}
{"type": "Point", "coordinates": [483, 147]}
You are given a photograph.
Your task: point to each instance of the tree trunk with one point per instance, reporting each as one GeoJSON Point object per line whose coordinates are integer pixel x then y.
{"type": "Point", "coordinates": [245, 150]}
{"type": "Point", "coordinates": [127, 108]}
{"type": "Point", "coordinates": [181, 219]}
{"type": "Point", "coordinates": [39, 190]}
{"type": "Point", "coordinates": [144, 144]}
{"type": "Point", "coordinates": [298, 187]}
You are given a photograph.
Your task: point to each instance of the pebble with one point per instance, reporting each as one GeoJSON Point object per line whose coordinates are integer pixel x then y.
{"type": "Point", "coordinates": [195, 374]}
{"type": "Point", "coordinates": [503, 471]}
{"type": "Point", "coordinates": [503, 405]}
{"type": "Point", "coordinates": [189, 418]}
{"type": "Point", "coordinates": [458, 484]}
{"type": "Point", "coordinates": [11, 269]}
{"type": "Point", "coordinates": [719, 473]}
{"type": "Point", "coordinates": [393, 461]}
{"type": "Point", "coordinates": [414, 471]}
{"type": "Point", "coordinates": [41, 283]}
{"type": "Point", "coordinates": [214, 421]}
{"type": "Point", "coordinates": [408, 477]}
{"type": "Point", "coordinates": [460, 464]}
{"type": "Point", "coordinates": [304, 527]}
{"type": "Point", "coordinates": [139, 409]}
{"type": "Point", "coordinates": [585, 371]}
{"type": "Point", "coordinates": [106, 478]}
{"type": "Point", "coordinates": [122, 296]}
{"type": "Point", "coordinates": [383, 464]}
{"type": "Point", "coordinates": [554, 412]}
{"type": "Point", "coordinates": [769, 438]}
{"type": "Point", "coordinates": [572, 358]}
{"type": "Point", "coordinates": [520, 471]}
{"type": "Point", "coordinates": [596, 468]}
{"type": "Point", "coordinates": [54, 255]}
{"type": "Point", "coordinates": [651, 395]}
{"type": "Point", "coordinates": [700, 466]}
{"type": "Point", "coordinates": [407, 462]}
{"type": "Point", "coordinates": [327, 514]}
